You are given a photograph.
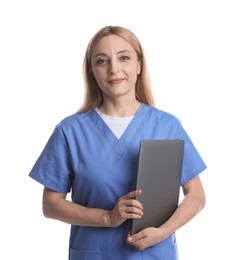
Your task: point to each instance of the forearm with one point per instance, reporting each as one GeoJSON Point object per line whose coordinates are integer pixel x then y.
{"type": "Point", "coordinates": [187, 210]}
{"type": "Point", "coordinates": [189, 207]}
{"type": "Point", "coordinates": [59, 208]}
{"type": "Point", "coordinates": [56, 206]}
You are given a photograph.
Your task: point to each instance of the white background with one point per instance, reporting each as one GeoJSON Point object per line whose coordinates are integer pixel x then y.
{"type": "Point", "coordinates": [194, 52]}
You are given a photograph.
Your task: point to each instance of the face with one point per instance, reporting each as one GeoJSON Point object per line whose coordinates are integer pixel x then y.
{"type": "Point", "coordinates": [115, 66]}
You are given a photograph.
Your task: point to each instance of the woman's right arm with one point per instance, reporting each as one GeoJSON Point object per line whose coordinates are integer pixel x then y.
{"type": "Point", "coordinates": [56, 206]}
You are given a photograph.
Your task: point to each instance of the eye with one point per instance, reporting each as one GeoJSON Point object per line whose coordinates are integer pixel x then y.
{"type": "Point", "coordinates": [125, 58]}
{"type": "Point", "coordinates": [101, 61]}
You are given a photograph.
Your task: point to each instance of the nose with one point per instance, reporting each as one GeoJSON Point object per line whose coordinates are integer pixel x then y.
{"type": "Point", "coordinates": [114, 67]}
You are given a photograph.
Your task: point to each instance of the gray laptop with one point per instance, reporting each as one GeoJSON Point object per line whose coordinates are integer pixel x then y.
{"type": "Point", "coordinates": [159, 173]}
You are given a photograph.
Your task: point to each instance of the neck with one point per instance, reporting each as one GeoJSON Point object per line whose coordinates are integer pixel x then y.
{"type": "Point", "coordinates": [119, 109]}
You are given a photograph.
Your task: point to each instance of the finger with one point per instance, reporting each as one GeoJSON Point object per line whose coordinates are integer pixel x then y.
{"type": "Point", "coordinates": [139, 244]}
{"type": "Point", "coordinates": [134, 211]}
{"type": "Point", "coordinates": [136, 237]}
{"type": "Point", "coordinates": [134, 203]}
{"type": "Point", "coordinates": [132, 194]}
{"type": "Point", "coordinates": [133, 216]}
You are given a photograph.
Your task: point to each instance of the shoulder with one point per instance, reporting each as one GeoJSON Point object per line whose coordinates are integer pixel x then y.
{"type": "Point", "coordinates": [72, 121]}
{"type": "Point", "coordinates": [159, 114]}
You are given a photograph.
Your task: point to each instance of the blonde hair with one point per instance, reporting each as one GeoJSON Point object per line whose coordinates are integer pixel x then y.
{"type": "Point", "coordinates": [93, 95]}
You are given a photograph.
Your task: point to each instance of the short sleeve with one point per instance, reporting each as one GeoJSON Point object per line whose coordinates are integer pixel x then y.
{"type": "Point", "coordinates": [193, 163]}
{"type": "Point", "coordinates": [53, 167]}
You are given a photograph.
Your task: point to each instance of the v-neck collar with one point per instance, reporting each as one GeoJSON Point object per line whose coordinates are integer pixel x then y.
{"type": "Point", "coordinates": [119, 145]}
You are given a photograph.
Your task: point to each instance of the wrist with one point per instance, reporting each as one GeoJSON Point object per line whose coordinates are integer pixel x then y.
{"type": "Point", "coordinates": [164, 232]}
{"type": "Point", "coordinates": [107, 219]}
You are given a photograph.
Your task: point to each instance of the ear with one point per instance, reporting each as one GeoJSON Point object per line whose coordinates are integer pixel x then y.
{"type": "Point", "coordinates": [90, 68]}
{"type": "Point", "coordinates": [139, 68]}
{"type": "Point", "coordinates": [91, 71]}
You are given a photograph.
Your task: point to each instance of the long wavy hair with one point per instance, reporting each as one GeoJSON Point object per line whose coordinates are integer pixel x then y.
{"type": "Point", "coordinates": [93, 95]}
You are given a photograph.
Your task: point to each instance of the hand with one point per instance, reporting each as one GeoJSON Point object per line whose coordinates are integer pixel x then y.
{"type": "Point", "coordinates": [127, 207]}
{"type": "Point", "coordinates": [146, 238]}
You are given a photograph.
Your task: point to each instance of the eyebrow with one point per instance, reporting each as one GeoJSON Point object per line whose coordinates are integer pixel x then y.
{"type": "Point", "coordinates": [104, 54]}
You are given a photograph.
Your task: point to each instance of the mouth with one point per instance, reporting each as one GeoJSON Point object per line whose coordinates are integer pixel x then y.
{"type": "Point", "coordinates": [116, 81]}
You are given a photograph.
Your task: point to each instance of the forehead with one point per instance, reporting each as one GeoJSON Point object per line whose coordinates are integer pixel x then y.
{"type": "Point", "coordinates": [112, 44]}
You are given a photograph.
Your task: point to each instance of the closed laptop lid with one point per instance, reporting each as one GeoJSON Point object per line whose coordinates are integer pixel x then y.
{"type": "Point", "coordinates": [159, 174]}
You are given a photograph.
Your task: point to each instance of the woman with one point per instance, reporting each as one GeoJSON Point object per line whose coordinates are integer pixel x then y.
{"type": "Point", "coordinates": [94, 154]}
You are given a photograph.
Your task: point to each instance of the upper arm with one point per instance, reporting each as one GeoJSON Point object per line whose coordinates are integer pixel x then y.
{"type": "Point", "coordinates": [194, 186]}
{"type": "Point", "coordinates": [50, 199]}
{"type": "Point", "coordinates": [49, 195]}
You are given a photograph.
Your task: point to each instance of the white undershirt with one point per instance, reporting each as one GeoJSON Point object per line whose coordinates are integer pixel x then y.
{"type": "Point", "coordinates": [116, 124]}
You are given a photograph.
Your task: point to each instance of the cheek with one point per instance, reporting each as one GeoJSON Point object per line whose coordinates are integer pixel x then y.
{"type": "Point", "coordinates": [136, 69]}
{"type": "Point", "coordinates": [134, 73]}
{"type": "Point", "coordinates": [100, 71]}
{"type": "Point", "coordinates": [100, 77]}
{"type": "Point", "coordinates": [97, 74]}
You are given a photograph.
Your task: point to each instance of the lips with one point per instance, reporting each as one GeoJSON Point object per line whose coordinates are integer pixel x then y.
{"type": "Point", "coordinates": [116, 81]}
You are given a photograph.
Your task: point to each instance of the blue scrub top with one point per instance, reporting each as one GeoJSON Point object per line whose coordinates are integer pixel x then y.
{"type": "Point", "coordinates": [85, 157]}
